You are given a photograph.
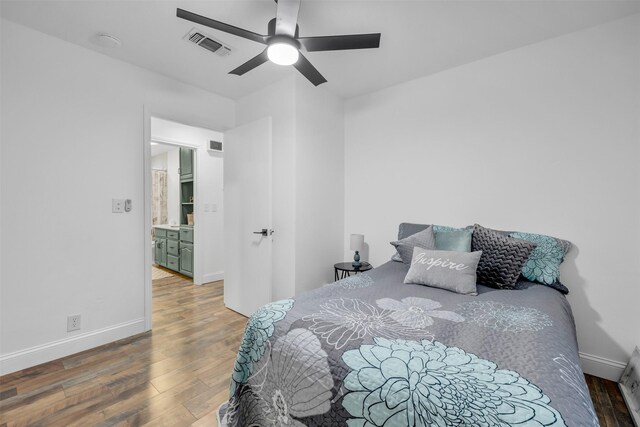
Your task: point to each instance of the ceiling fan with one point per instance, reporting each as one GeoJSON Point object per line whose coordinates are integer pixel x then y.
{"type": "Point", "coordinates": [283, 42]}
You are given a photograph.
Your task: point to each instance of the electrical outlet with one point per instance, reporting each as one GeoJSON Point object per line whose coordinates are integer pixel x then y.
{"type": "Point", "coordinates": [73, 322]}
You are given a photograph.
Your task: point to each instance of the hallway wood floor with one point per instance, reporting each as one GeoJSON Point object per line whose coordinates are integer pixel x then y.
{"type": "Point", "coordinates": [177, 375]}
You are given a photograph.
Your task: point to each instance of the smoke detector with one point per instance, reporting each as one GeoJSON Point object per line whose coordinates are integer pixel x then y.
{"type": "Point", "coordinates": [205, 41]}
{"type": "Point", "coordinates": [106, 40]}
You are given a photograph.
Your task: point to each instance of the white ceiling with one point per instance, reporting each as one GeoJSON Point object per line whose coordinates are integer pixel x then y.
{"type": "Point", "coordinates": [418, 37]}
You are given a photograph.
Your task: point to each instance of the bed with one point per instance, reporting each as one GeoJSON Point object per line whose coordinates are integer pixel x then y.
{"type": "Point", "coordinates": [371, 350]}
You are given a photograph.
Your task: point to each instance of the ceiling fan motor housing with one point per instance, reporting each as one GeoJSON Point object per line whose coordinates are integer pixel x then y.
{"type": "Point", "coordinates": [283, 39]}
{"type": "Point", "coordinates": [271, 28]}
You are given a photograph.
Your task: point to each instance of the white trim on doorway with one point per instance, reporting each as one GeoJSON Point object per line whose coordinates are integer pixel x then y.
{"type": "Point", "coordinates": [172, 141]}
{"type": "Point", "coordinates": [200, 276]}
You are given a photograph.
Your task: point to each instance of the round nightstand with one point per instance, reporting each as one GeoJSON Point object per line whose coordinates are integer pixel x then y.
{"type": "Point", "coordinates": [344, 269]}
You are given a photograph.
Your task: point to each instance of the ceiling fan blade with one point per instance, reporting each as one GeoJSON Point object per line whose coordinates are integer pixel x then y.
{"type": "Point", "coordinates": [309, 71]}
{"type": "Point", "coordinates": [203, 20]}
{"type": "Point", "coordinates": [287, 17]}
{"type": "Point", "coordinates": [353, 41]}
{"type": "Point", "coordinates": [251, 64]}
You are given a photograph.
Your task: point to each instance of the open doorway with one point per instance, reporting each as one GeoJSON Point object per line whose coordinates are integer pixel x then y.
{"type": "Point", "coordinates": [183, 205]}
{"type": "Point", "coordinates": [172, 207]}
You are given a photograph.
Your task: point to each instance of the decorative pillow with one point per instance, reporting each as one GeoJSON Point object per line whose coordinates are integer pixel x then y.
{"type": "Point", "coordinates": [502, 257]}
{"type": "Point", "coordinates": [453, 271]}
{"type": "Point", "coordinates": [406, 229]}
{"type": "Point", "coordinates": [423, 239]}
{"type": "Point", "coordinates": [440, 228]}
{"type": "Point", "coordinates": [455, 240]}
{"type": "Point", "coordinates": [543, 265]}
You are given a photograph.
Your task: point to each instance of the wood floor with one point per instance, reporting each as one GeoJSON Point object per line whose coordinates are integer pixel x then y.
{"type": "Point", "coordinates": [609, 403]}
{"type": "Point", "coordinates": [177, 375]}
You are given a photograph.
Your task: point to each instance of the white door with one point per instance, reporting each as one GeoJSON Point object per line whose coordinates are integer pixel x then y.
{"type": "Point", "coordinates": [247, 206]}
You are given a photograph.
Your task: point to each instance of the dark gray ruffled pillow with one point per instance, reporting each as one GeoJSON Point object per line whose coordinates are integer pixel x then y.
{"type": "Point", "coordinates": [423, 239]}
{"type": "Point", "coordinates": [502, 257]}
{"type": "Point", "coordinates": [543, 265]}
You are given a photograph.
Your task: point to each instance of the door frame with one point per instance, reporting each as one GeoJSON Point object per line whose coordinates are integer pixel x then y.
{"type": "Point", "coordinates": [147, 194]}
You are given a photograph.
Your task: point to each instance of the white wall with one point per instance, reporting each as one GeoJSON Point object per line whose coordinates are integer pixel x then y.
{"type": "Point", "coordinates": [319, 184]}
{"type": "Point", "coordinates": [308, 180]}
{"type": "Point", "coordinates": [159, 161]}
{"type": "Point", "coordinates": [72, 139]}
{"type": "Point", "coordinates": [543, 139]}
{"type": "Point", "coordinates": [208, 223]}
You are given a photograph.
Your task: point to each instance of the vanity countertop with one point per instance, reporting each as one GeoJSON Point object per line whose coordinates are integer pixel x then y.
{"type": "Point", "coordinates": [167, 227]}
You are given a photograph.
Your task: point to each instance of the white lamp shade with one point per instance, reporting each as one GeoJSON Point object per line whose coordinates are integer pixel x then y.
{"type": "Point", "coordinates": [357, 242]}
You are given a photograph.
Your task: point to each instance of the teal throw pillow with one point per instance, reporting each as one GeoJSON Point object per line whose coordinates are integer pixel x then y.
{"type": "Point", "coordinates": [453, 240]}
{"type": "Point", "coordinates": [543, 264]}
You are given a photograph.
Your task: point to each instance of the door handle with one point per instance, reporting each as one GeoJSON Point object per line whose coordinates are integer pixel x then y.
{"type": "Point", "coordinates": [264, 232]}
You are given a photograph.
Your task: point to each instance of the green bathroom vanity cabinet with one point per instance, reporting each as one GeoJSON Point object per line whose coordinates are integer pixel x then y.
{"type": "Point", "coordinates": [186, 185]}
{"type": "Point", "coordinates": [174, 248]}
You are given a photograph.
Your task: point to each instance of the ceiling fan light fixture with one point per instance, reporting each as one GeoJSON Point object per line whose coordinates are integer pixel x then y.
{"type": "Point", "coordinates": [283, 53]}
{"type": "Point", "coordinates": [283, 42]}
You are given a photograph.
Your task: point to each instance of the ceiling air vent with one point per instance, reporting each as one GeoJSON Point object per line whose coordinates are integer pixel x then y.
{"type": "Point", "coordinates": [205, 41]}
{"type": "Point", "coordinates": [215, 146]}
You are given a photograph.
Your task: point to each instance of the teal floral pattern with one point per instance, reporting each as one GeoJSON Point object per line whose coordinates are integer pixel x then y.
{"type": "Point", "coordinates": [412, 383]}
{"type": "Point", "coordinates": [260, 328]}
{"type": "Point", "coordinates": [291, 381]}
{"type": "Point", "coordinates": [543, 265]}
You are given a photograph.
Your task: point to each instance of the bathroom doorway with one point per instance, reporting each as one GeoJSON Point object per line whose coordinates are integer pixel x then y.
{"type": "Point", "coordinates": [183, 205]}
{"type": "Point", "coordinates": [166, 212]}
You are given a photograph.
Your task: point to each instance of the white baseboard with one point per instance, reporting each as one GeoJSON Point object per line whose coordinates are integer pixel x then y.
{"type": "Point", "coordinates": [601, 367]}
{"type": "Point", "coordinates": [213, 277]}
{"type": "Point", "coordinates": [33, 356]}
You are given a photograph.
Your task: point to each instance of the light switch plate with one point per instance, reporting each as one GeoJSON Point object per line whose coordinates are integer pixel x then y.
{"type": "Point", "coordinates": [117, 205]}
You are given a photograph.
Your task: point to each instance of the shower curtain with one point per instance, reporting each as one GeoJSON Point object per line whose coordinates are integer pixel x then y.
{"type": "Point", "coordinates": [159, 200]}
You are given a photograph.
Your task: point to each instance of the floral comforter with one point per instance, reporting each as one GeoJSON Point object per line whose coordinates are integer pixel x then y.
{"type": "Point", "coordinates": [370, 350]}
